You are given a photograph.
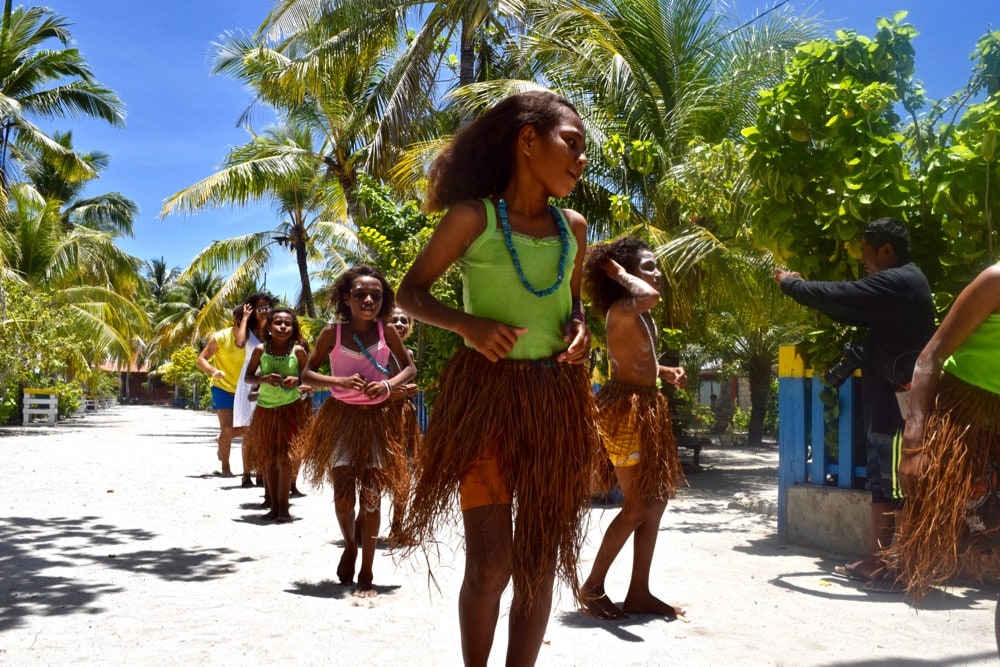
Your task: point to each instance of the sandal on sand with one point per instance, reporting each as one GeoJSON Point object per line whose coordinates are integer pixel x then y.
{"type": "Point", "coordinates": [853, 571]}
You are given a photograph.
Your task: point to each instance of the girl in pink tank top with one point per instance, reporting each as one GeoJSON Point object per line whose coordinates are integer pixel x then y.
{"type": "Point", "coordinates": [370, 363]}
{"type": "Point", "coordinates": [356, 440]}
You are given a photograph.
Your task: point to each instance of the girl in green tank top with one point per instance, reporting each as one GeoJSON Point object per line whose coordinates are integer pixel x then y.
{"type": "Point", "coordinates": [513, 424]}
{"type": "Point", "coordinates": [951, 442]}
{"type": "Point", "coordinates": [275, 366]}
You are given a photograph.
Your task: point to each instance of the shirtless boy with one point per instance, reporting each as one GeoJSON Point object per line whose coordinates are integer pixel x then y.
{"type": "Point", "coordinates": [623, 281]}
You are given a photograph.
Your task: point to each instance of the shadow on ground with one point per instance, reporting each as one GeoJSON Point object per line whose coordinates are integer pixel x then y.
{"type": "Point", "coordinates": [31, 546]}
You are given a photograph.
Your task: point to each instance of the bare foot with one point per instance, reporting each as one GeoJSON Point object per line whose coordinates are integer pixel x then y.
{"type": "Point", "coordinates": [595, 603]}
{"type": "Point", "coordinates": [365, 589]}
{"type": "Point", "coordinates": [270, 516]}
{"type": "Point", "coordinates": [648, 604]}
{"type": "Point", "coordinates": [284, 518]}
{"type": "Point", "coordinates": [345, 569]}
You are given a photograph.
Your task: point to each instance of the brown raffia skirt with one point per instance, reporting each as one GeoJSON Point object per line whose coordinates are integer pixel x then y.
{"type": "Point", "coordinates": [271, 432]}
{"type": "Point", "coordinates": [368, 438]}
{"type": "Point", "coordinates": [957, 508]}
{"type": "Point", "coordinates": [411, 428]}
{"type": "Point", "coordinates": [638, 418]}
{"type": "Point", "coordinates": [538, 419]}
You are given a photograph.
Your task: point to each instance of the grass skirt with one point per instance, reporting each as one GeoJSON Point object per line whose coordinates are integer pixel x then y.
{"type": "Point", "coordinates": [372, 436]}
{"type": "Point", "coordinates": [538, 419]}
{"type": "Point", "coordinates": [958, 493]}
{"type": "Point", "coordinates": [628, 411]}
{"type": "Point", "coordinates": [411, 427]}
{"type": "Point", "coordinates": [268, 438]}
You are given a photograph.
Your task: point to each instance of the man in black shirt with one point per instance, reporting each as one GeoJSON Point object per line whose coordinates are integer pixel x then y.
{"type": "Point", "coordinates": [894, 303]}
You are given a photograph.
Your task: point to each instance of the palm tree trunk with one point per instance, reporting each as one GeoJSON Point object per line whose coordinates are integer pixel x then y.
{"type": "Point", "coordinates": [302, 262]}
{"type": "Point", "coordinates": [467, 54]}
{"type": "Point", "coordinates": [759, 378]}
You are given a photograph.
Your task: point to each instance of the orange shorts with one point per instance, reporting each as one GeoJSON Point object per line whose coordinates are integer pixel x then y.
{"type": "Point", "coordinates": [483, 484]}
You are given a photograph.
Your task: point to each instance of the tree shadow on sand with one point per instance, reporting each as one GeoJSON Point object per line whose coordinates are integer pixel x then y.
{"type": "Point", "coordinates": [823, 583]}
{"type": "Point", "coordinates": [30, 547]}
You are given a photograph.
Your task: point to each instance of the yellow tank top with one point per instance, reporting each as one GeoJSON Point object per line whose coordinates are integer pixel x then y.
{"type": "Point", "coordinates": [228, 359]}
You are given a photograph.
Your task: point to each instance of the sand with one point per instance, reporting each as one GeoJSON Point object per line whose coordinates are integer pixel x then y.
{"type": "Point", "coordinates": [119, 546]}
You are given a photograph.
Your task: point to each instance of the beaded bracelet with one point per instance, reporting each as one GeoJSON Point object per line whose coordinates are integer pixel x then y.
{"type": "Point", "coordinates": [576, 314]}
{"type": "Point", "coordinates": [388, 387]}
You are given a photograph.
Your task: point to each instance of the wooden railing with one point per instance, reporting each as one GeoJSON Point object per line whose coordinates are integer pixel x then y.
{"type": "Point", "coordinates": [804, 456]}
{"type": "Point", "coordinates": [42, 403]}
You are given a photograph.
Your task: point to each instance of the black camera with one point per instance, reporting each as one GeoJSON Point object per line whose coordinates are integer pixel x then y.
{"type": "Point", "coordinates": [850, 361]}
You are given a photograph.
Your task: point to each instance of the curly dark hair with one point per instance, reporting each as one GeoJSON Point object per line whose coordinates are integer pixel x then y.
{"type": "Point", "coordinates": [342, 288]}
{"type": "Point", "coordinates": [296, 331]}
{"type": "Point", "coordinates": [602, 290]}
{"type": "Point", "coordinates": [480, 158]}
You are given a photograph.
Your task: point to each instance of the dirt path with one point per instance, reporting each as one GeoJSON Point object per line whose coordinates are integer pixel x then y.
{"type": "Point", "coordinates": [118, 546]}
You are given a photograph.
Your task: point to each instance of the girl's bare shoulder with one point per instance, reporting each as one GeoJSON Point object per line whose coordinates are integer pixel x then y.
{"type": "Point", "coordinates": [575, 219]}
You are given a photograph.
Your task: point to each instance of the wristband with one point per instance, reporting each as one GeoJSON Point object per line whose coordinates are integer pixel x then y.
{"type": "Point", "coordinates": [576, 315]}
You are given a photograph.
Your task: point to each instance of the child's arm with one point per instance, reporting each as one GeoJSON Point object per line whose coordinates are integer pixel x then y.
{"type": "Point", "coordinates": [575, 331]}
{"type": "Point", "coordinates": [979, 300]}
{"type": "Point", "coordinates": [406, 372]}
{"type": "Point", "coordinates": [675, 375]}
{"type": "Point", "coordinates": [251, 377]}
{"type": "Point", "coordinates": [303, 359]}
{"type": "Point", "coordinates": [320, 353]}
{"type": "Point", "coordinates": [643, 295]}
{"type": "Point", "coordinates": [460, 226]}
{"type": "Point", "coordinates": [240, 330]}
{"type": "Point", "coordinates": [203, 364]}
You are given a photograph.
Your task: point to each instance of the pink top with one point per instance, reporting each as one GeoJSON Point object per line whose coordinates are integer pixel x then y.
{"type": "Point", "coordinates": [345, 362]}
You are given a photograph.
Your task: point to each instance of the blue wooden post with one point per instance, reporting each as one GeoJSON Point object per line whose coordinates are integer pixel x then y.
{"type": "Point", "coordinates": [792, 434]}
{"type": "Point", "coordinates": [845, 435]}
{"type": "Point", "coordinates": [817, 435]}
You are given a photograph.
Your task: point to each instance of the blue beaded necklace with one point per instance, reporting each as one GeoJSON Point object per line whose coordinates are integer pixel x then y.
{"type": "Point", "coordinates": [563, 255]}
{"type": "Point", "coordinates": [383, 369]}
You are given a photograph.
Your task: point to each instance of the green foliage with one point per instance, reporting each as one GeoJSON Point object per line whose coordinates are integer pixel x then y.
{"type": "Point", "coordinates": [33, 342]}
{"type": "Point", "coordinates": [741, 419]}
{"type": "Point", "coordinates": [395, 232]}
{"type": "Point", "coordinates": [182, 372]}
{"type": "Point", "coordinates": [771, 412]}
{"type": "Point", "coordinates": [70, 397]}
{"type": "Point", "coordinates": [690, 415]}
{"type": "Point", "coordinates": [8, 405]}
{"type": "Point", "coordinates": [826, 153]}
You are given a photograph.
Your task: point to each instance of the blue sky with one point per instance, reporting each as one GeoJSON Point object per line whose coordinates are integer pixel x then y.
{"type": "Point", "coordinates": [182, 121]}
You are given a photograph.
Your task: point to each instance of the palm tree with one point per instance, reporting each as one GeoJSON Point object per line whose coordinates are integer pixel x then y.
{"type": "Point", "coordinates": [283, 166]}
{"type": "Point", "coordinates": [36, 81]}
{"type": "Point", "coordinates": [80, 270]}
{"type": "Point", "coordinates": [160, 280]}
{"type": "Point", "coordinates": [110, 212]}
{"type": "Point", "coordinates": [414, 39]}
{"type": "Point", "coordinates": [654, 76]}
{"type": "Point", "coordinates": [184, 316]}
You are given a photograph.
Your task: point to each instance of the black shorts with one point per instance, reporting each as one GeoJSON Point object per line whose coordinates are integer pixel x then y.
{"type": "Point", "coordinates": [883, 459]}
